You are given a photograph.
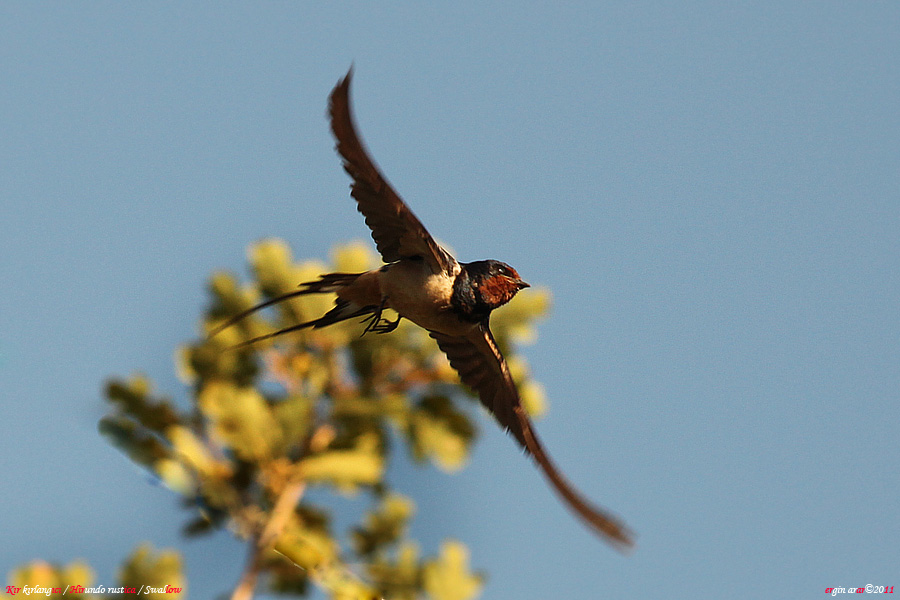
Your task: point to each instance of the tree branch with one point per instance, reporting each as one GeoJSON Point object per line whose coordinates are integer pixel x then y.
{"type": "Point", "coordinates": [284, 506]}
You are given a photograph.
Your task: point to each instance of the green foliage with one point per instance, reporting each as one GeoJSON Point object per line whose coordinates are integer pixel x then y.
{"type": "Point", "coordinates": [159, 573]}
{"type": "Point", "coordinates": [347, 469]}
{"type": "Point", "coordinates": [320, 407]}
{"type": "Point", "coordinates": [448, 576]}
{"type": "Point", "coordinates": [51, 581]}
{"type": "Point", "coordinates": [384, 525]}
{"type": "Point", "coordinates": [441, 432]}
{"type": "Point", "coordinates": [147, 574]}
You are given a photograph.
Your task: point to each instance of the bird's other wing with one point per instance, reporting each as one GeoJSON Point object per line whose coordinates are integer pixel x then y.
{"type": "Point", "coordinates": [396, 230]}
{"type": "Point", "coordinates": [482, 367]}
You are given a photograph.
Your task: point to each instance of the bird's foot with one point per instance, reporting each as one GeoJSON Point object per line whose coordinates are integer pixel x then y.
{"type": "Point", "coordinates": [379, 325]}
{"type": "Point", "coordinates": [385, 326]}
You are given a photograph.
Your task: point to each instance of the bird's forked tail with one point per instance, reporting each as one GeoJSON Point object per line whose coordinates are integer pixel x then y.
{"type": "Point", "coordinates": [326, 284]}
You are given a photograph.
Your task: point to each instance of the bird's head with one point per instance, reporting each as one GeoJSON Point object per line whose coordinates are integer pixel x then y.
{"type": "Point", "coordinates": [495, 283]}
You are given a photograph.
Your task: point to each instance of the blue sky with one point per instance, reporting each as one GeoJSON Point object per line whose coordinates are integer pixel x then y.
{"type": "Point", "coordinates": [711, 191]}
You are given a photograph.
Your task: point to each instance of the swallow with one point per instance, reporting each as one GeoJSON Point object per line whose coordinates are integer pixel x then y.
{"type": "Point", "coordinates": [422, 282]}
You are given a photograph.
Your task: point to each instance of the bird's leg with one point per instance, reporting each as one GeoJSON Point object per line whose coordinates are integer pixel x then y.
{"type": "Point", "coordinates": [379, 325]}
{"type": "Point", "coordinates": [385, 326]}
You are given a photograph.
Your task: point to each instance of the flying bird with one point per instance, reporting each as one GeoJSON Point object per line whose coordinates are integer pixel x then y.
{"type": "Point", "coordinates": [425, 284]}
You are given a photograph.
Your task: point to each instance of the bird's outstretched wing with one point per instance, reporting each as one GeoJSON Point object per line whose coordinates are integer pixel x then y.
{"type": "Point", "coordinates": [396, 230]}
{"type": "Point", "coordinates": [482, 367]}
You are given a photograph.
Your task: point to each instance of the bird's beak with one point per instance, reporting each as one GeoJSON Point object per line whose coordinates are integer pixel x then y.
{"type": "Point", "coordinates": [522, 285]}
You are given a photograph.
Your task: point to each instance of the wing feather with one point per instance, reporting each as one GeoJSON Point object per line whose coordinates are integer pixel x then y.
{"type": "Point", "coordinates": [482, 367]}
{"type": "Point", "coordinates": [397, 232]}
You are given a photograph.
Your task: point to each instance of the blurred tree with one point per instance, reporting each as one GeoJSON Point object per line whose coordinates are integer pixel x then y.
{"type": "Point", "coordinates": [315, 408]}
